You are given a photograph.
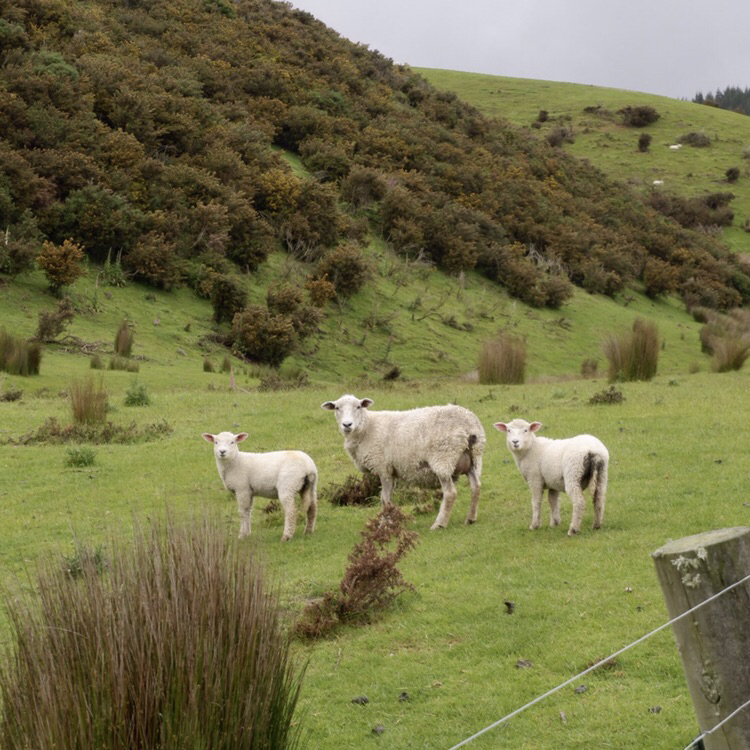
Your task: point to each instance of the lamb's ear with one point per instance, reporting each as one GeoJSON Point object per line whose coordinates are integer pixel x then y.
{"type": "Point", "coordinates": [534, 426]}
{"type": "Point", "coordinates": [241, 436]}
{"type": "Point", "coordinates": [328, 405]}
{"type": "Point", "coordinates": [501, 426]}
{"type": "Point", "coordinates": [208, 436]}
{"type": "Point", "coordinates": [365, 402]}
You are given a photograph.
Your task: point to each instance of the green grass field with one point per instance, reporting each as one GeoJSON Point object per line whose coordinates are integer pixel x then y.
{"type": "Point", "coordinates": [678, 468]}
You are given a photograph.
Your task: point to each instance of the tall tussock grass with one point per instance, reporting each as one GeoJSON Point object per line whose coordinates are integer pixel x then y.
{"type": "Point", "coordinates": [726, 337]}
{"type": "Point", "coordinates": [88, 400]}
{"type": "Point", "coordinates": [503, 360]}
{"type": "Point", "coordinates": [633, 355]}
{"type": "Point", "coordinates": [18, 356]}
{"type": "Point", "coordinates": [176, 643]}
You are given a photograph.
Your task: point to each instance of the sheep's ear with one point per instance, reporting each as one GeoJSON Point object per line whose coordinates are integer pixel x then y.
{"type": "Point", "coordinates": [501, 426]}
{"type": "Point", "coordinates": [534, 426]}
{"type": "Point", "coordinates": [328, 405]}
{"type": "Point", "coordinates": [365, 402]}
{"type": "Point", "coordinates": [208, 436]}
{"type": "Point", "coordinates": [241, 436]}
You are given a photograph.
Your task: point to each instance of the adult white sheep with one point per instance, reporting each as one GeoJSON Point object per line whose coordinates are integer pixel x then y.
{"type": "Point", "coordinates": [278, 474]}
{"type": "Point", "coordinates": [569, 465]}
{"type": "Point", "coordinates": [416, 446]}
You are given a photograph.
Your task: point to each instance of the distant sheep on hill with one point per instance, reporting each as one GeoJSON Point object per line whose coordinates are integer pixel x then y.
{"type": "Point", "coordinates": [569, 465]}
{"type": "Point", "coordinates": [278, 474]}
{"type": "Point", "coordinates": [416, 446]}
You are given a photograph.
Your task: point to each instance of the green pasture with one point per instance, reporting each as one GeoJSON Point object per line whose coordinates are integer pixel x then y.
{"type": "Point", "coordinates": [600, 138]}
{"type": "Point", "coordinates": [679, 466]}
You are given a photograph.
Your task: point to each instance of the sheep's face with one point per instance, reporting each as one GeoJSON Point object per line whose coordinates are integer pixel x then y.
{"type": "Point", "coordinates": [225, 444]}
{"type": "Point", "coordinates": [350, 412]}
{"type": "Point", "coordinates": [519, 434]}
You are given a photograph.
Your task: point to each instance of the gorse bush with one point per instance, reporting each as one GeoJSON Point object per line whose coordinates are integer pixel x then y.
{"type": "Point", "coordinates": [372, 579]}
{"type": "Point", "coordinates": [346, 267]}
{"type": "Point", "coordinates": [62, 264]}
{"type": "Point", "coordinates": [635, 354]}
{"type": "Point", "coordinates": [88, 401]}
{"type": "Point", "coordinates": [262, 336]}
{"type": "Point", "coordinates": [18, 356]}
{"type": "Point", "coordinates": [639, 116]}
{"type": "Point", "coordinates": [503, 360]}
{"type": "Point", "coordinates": [172, 642]}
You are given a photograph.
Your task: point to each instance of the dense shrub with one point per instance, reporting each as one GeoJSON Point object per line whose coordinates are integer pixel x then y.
{"type": "Point", "coordinates": [644, 141]}
{"type": "Point", "coordinates": [371, 581]}
{"type": "Point", "coordinates": [732, 174]}
{"type": "Point", "coordinates": [288, 300]}
{"type": "Point", "coordinates": [61, 263]}
{"type": "Point", "coordinates": [184, 646]}
{"type": "Point", "coordinates": [18, 356]}
{"type": "Point", "coordinates": [346, 267]}
{"type": "Point", "coordinates": [363, 186]}
{"type": "Point", "coordinates": [705, 210]}
{"type": "Point", "coordinates": [698, 140]}
{"type": "Point", "coordinates": [633, 355]}
{"type": "Point", "coordinates": [262, 336]}
{"type": "Point", "coordinates": [659, 278]}
{"type": "Point", "coordinates": [639, 116]}
{"type": "Point", "coordinates": [560, 135]}
{"type": "Point", "coordinates": [321, 291]}
{"type": "Point", "coordinates": [88, 401]}
{"type": "Point", "coordinates": [503, 360]}
{"type": "Point", "coordinates": [154, 260]}
{"type": "Point", "coordinates": [228, 297]}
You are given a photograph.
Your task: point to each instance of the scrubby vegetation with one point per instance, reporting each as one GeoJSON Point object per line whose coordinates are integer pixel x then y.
{"type": "Point", "coordinates": [633, 355]}
{"type": "Point", "coordinates": [163, 148]}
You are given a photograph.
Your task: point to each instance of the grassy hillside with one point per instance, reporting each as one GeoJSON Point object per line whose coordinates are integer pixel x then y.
{"type": "Point", "coordinates": [600, 138]}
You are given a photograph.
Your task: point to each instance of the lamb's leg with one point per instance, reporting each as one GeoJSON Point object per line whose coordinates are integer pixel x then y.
{"type": "Point", "coordinates": [553, 496]}
{"type": "Point", "coordinates": [475, 485]}
{"type": "Point", "coordinates": [446, 506]}
{"type": "Point", "coordinates": [537, 495]}
{"type": "Point", "coordinates": [600, 496]}
{"type": "Point", "coordinates": [245, 509]}
{"type": "Point", "coordinates": [310, 500]}
{"type": "Point", "coordinates": [579, 505]}
{"type": "Point", "coordinates": [386, 489]}
{"type": "Point", "coordinates": [290, 515]}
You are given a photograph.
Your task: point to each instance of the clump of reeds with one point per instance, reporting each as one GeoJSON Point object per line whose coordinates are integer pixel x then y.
{"type": "Point", "coordinates": [88, 400]}
{"type": "Point", "coordinates": [503, 360]}
{"type": "Point", "coordinates": [174, 642]}
{"type": "Point", "coordinates": [19, 356]}
{"type": "Point", "coordinates": [633, 355]}
{"type": "Point", "coordinates": [124, 339]}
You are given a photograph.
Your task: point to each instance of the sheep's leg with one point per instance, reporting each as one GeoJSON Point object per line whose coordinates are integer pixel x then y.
{"type": "Point", "coordinates": [310, 501]}
{"type": "Point", "coordinates": [600, 496]}
{"type": "Point", "coordinates": [245, 509]}
{"type": "Point", "coordinates": [475, 485]}
{"type": "Point", "coordinates": [537, 494]}
{"type": "Point", "coordinates": [290, 515]}
{"type": "Point", "coordinates": [446, 506]}
{"type": "Point", "coordinates": [386, 489]}
{"type": "Point", "coordinates": [579, 504]}
{"type": "Point", "coordinates": [553, 496]}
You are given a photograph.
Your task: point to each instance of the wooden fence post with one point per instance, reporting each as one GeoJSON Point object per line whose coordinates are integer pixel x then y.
{"type": "Point", "coordinates": [713, 641]}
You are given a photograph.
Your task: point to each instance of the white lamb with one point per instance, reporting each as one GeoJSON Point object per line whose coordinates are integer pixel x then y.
{"type": "Point", "coordinates": [416, 446]}
{"type": "Point", "coordinates": [569, 465]}
{"type": "Point", "coordinates": [278, 474]}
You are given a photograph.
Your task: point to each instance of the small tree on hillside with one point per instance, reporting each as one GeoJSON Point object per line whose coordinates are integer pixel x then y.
{"type": "Point", "coordinates": [62, 264]}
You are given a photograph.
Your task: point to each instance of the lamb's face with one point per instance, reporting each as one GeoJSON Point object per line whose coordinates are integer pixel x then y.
{"type": "Point", "coordinates": [350, 412]}
{"type": "Point", "coordinates": [519, 434]}
{"type": "Point", "coordinates": [225, 444]}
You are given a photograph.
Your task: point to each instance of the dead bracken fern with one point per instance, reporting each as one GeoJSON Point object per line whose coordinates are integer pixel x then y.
{"type": "Point", "coordinates": [371, 581]}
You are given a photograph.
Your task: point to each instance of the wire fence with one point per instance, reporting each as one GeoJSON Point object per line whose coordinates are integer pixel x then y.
{"type": "Point", "coordinates": [554, 690]}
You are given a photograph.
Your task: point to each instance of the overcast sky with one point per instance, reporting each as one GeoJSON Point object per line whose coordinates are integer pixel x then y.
{"type": "Point", "coordinates": [669, 47]}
